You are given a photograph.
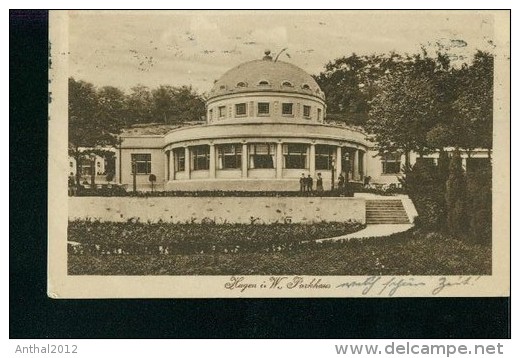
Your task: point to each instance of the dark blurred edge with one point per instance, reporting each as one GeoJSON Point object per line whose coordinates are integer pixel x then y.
{"type": "Point", "coordinates": [33, 315]}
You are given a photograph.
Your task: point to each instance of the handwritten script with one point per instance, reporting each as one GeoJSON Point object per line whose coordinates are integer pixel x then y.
{"type": "Point", "coordinates": [242, 283]}
{"type": "Point", "coordinates": [383, 286]}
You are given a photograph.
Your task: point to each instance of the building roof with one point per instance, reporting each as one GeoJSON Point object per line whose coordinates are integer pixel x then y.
{"type": "Point", "coordinates": [155, 128]}
{"type": "Point", "coordinates": [266, 75]}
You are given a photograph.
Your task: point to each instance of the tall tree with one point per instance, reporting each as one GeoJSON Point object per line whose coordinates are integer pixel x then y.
{"type": "Point", "coordinates": [112, 105]}
{"type": "Point", "coordinates": [351, 82]}
{"type": "Point", "coordinates": [407, 107]}
{"type": "Point", "coordinates": [474, 105]}
{"type": "Point", "coordinates": [90, 125]}
{"type": "Point", "coordinates": [456, 198]}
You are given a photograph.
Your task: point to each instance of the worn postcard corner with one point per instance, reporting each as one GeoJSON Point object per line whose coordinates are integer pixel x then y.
{"type": "Point", "coordinates": [279, 154]}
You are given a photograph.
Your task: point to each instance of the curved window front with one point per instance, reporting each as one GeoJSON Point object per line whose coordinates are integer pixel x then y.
{"type": "Point", "coordinates": [295, 156]}
{"type": "Point", "coordinates": [180, 160]}
{"type": "Point", "coordinates": [200, 157]}
{"type": "Point", "coordinates": [229, 156]}
{"type": "Point", "coordinates": [325, 155]}
{"type": "Point", "coordinates": [262, 156]}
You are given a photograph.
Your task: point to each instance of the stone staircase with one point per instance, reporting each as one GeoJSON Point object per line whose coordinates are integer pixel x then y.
{"type": "Point", "coordinates": [386, 212]}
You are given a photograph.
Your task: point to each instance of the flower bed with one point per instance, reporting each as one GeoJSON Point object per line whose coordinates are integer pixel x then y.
{"type": "Point", "coordinates": [94, 237]}
{"type": "Point", "coordinates": [265, 250]}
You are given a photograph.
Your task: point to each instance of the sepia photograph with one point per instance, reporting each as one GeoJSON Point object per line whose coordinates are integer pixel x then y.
{"type": "Point", "coordinates": [279, 153]}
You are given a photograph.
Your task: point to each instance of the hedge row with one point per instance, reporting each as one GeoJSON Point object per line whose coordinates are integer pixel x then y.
{"type": "Point", "coordinates": [95, 237]}
{"type": "Point", "coordinates": [415, 252]}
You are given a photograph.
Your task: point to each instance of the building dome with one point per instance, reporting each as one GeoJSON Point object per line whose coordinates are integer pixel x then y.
{"type": "Point", "coordinates": [266, 75]}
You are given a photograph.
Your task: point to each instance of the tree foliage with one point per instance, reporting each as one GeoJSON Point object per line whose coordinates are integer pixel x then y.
{"type": "Point", "coordinates": [474, 105]}
{"type": "Point", "coordinates": [97, 115]}
{"type": "Point", "coordinates": [351, 82]}
{"type": "Point", "coordinates": [413, 102]}
{"type": "Point", "coordinates": [409, 105]}
{"type": "Point", "coordinates": [177, 104]}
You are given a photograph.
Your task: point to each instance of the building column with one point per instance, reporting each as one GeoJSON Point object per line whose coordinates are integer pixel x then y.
{"type": "Point", "coordinates": [279, 160]}
{"type": "Point", "coordinates": [312, 160]}
{"type": "Point", "coordinates": [365, 164]}
{"type": "Point", "coordinates": [355, 159]}
{"type": "Point", "coordinates": [172, 165]}
{"type": "Point", "coordinates": [187, 162]}
{"type": "Point", "coordinates": [338, 161]}
{"type": "Point", "coordinates": [165, 166]}
{"type": "Point", "coordinates": [464, 161]}
{"type": "Point", "coordinates": [117, 178]}
{"type": "Point", "coordinates": [361, 162]}
{"type": "Point", "coordinates": [212, 161]}
{"type": "Point", "coordinates": [244, 160]}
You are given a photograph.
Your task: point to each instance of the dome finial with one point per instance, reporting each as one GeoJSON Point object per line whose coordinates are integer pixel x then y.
{"type": "Point", "coordinates": [267, 55]}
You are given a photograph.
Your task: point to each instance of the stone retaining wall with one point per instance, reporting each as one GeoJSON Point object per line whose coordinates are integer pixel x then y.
{"type": "Point", "coordinates": [226, 209]}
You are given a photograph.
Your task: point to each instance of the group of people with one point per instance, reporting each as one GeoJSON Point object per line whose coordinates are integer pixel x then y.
{"type": "Point", "coordinates": [307, 183]}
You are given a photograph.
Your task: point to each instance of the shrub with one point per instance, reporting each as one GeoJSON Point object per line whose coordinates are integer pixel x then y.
{"type": "Point", "coordinates": [456, 198]}
{"type": "Point", "coordinates": [426, 190]}
{"type": "Point", "coordinates": [479, 204]}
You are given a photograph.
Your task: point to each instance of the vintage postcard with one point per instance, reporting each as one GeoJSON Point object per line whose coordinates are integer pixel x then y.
{"type": "Point", "coordinates": [204, 154]}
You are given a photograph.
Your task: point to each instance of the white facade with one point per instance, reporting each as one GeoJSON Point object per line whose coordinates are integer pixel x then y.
{"type": "Point", "coordinates": [94, 163]}
{"type": "Point", "coordinates": [264, 129]}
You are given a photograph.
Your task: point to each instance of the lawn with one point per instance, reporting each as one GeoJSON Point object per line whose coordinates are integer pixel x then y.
{"type": "Point", "coordinates": [281, 249]}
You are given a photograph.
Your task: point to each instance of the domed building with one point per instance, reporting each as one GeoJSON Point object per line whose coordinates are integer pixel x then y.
{"type": "Point", "coordinates": [264, 128]}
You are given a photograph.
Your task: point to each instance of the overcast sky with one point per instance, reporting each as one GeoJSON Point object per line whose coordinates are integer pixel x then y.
{"type": "Point", "coordinates": [124, 49]}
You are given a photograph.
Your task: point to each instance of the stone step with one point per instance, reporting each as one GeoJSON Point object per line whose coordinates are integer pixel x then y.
{"type": "Point", "coordinates": [386, 212]}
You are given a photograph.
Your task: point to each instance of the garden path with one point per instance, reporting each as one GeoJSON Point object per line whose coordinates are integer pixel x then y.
{"type": "Point", "coordinates": [376, 230]}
